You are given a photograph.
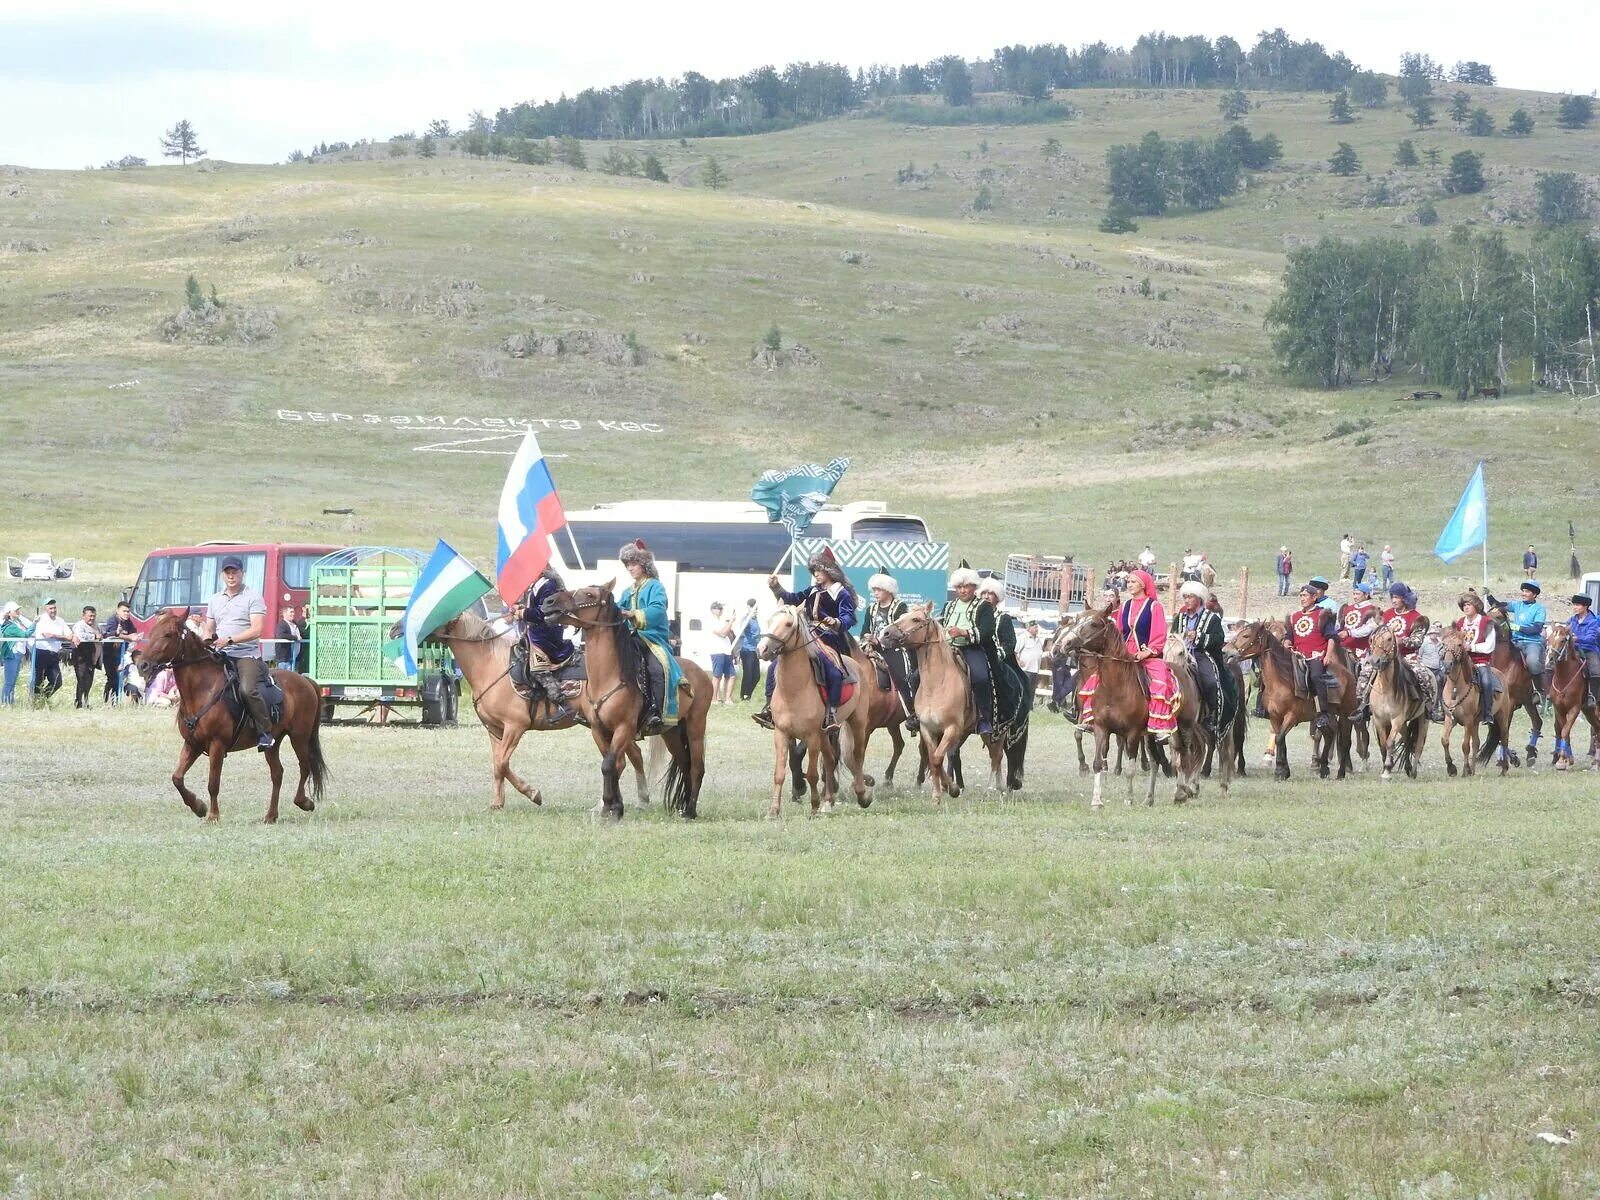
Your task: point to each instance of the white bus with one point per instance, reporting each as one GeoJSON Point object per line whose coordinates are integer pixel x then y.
{"type": "Point", "coordinates": [710, 550]}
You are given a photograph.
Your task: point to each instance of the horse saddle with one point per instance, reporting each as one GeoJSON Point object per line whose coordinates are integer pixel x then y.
{"type": "Point", "coordinates": [828, 662]}
{"type": "Point", "coordinates": [880, 666]}
{"type": "Point", "coordinates": [233, 694]}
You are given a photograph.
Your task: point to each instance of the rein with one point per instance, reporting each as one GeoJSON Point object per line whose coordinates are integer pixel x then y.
{"type": "Point", "coordinates": [571, 617]}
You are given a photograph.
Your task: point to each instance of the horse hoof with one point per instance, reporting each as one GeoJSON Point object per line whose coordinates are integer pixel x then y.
{"type": "Point", "coordinates": [497, 805]}
{"type": "Point", "coordinates": [306, 805]}
{"type": "Point", "coordinates": [269, 819]}
{"type": "Point", "coordinates": [537, 797]}
{"type": "Point", "coordinates": [1450, 770]}
{"type": "Point", "coordinates": [212, 818]}
{"type": "Point", "coordinates": [1385, 777]}
{"type": "Point", "coordinates": [1083, 769]}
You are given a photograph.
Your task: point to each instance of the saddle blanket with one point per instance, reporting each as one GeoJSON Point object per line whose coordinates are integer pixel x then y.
{"type": "Point", "coordinates": [233, 696]}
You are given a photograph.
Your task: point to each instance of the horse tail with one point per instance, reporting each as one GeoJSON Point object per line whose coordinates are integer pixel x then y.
{"type": "Point", "coordinates": [675, 786]}
{"type": "Point", "coordinates": [316, 764]}
{"type": "Point", "coordinates": [1490, 743]}
{"type": "Point", "coordinates": [1016, 752]}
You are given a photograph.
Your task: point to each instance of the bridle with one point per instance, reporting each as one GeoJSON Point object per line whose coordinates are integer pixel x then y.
{"type": "Point", "coordinates": [792, 640]}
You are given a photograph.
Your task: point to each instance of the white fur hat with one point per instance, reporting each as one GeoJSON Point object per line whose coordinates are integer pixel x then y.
{"type": "Point", "coordinates": [991, 586]}
{"type": "Point", "coordinates": [1195, 588]}
{"type": "Point", "coordinates": [884, 583]}
{"type": "Point", "coordinates": [963, 575]}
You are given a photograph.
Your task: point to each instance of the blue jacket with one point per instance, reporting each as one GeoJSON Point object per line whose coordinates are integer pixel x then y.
{"type": "Point", "coordinates": [1527, 620]}
{"type": "Point", "coordinates": [751, 635]}
{"type": "Point", "coordinates": [818, 603]}
{"type": "Point", "coordinates": [1585, 632]}
{"type": "Point", "coordinates": [549, 638]}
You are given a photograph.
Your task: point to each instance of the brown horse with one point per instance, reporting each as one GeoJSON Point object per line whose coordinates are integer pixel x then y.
{"type": "Point", "coordinates": [1122, 709]}
{"type": "Point", "coordinates": [613, 705]}
{"type": "Point", "coordinates": [885, 712]}
{"type": "Point", "coordinates": [484, 655]}
{"type": "Point", "coordinates": [209, 728]}
{"type": "Point", "coordinates": [1463, 706]}
{"type": "Point", "coordinates": [1520, 684]}
{"type": "Point", "coordinates": [946, 713]}
{"type": "Point", "coordinates": [1398, 704]}
{"type": "Point", "coordinates": [1569, 694]}
{"type": "Point", "coordinates": [798, 712]}
{"type": "Point", "coordinates": [1286, 708]}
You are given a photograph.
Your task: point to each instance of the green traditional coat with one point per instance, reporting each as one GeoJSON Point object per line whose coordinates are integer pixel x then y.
{"type": "Point", "coordinates": [996, 636]}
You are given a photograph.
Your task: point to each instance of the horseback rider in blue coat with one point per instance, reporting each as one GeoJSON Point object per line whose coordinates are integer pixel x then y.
{"type": "Point", "coordinates": [547, 639]}
{"type": "Point", "coordinates": [829, 605]}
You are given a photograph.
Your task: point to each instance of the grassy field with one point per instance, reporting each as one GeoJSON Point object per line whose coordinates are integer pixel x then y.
{"type": "Point", "coordinates": [999, 372]}
{"type": "Point", "coordinates": [1312, 990]}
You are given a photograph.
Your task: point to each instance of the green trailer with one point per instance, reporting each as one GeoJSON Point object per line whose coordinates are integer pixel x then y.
{"type": "Point", "coordinates": [357, 597]}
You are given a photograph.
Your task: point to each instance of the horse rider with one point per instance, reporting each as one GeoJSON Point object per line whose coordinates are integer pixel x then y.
{"type": "Point", "coordinates": [1585, 628]}
{"type": "Point", "coordinates": [1312, 629]}
{"type": "Point", "coordinates": [1320, 586]}
{"type": "Point", "coordinates": [1478, 632]}
{"type": "Point", "coordinates": [830, 606]}
{"type": "Point", "coordinates": [1013, 685]}
{"type": "Point", "coordinates": [234, 621]}
{"type": "Point", "coordinates": [1143, 624]}
{"type": "Point", "coordinates": [970, 623]}
{"type": "Point", "coordinates": [1358, 621]}
{"type": "Point", "coordinates": [1402, 617]}
{"type": "Point", "coordinates": [1200, 627]}
{"type": "Point", "coordinates": [896, 668]}
{"type": "Point", "coordinates": [545, 638]}
{"type": "Point", "coordinates": [645, 605]}
{"type": "Point", "coordinates": [1527, 617]}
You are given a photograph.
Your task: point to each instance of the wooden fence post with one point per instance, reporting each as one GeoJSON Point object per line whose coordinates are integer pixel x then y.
{"type": "Point", "coordinates": [1066, 586]}
{"type": "Point", "coordinates": [1244, 593]}
{"type": "Point", "coordinates": [1090, 596]}
{"type": "Point", "coordinates": [1172, 589]}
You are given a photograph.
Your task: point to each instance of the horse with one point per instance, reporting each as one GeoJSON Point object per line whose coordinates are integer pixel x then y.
{"type": "Point", "coordinates": [484, 655]}
{"type": "Point", "coordinates": [1398, 705]}
{"type": "Point", "coordinates": [1122, 709]}
{"type": "Point", "coordinates": [946, 712]}
{"type": "Point", "coordinates": [884, 711]}
{"type": "Point", "coordinates": [613, 705]}
{"type": "Point", "coordinates": [1463, 705]}
{"type": "Point", "coordinates": [1087, 664]}
{"type": "Point", "coordinates": [798, 712]}
{"type": "Point", "coordinates": [209, 728]}
{"type": "Point", "coordinates": [1569, 694]}
{"type": "Point", "coordinates": [1286, 708]}
{"type": "Point", "coordinates": [1520, 685]}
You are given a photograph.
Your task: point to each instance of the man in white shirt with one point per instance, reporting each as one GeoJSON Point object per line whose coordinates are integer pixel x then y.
{"type": "Point", "coordinates": [49, 634]}
{"type": "Point", "coordinates": [1147, 559]}
{"type": "Point", "coordinates": [722, 637]}
{"type": "Point", "coordinates": [1030, 650]}
{"type": "Point", "coordinates": [85, 654]}
{"type": "Point", "coordinates": [235, 618]}
{"type": "Point", "coordinates": [1344, 557]}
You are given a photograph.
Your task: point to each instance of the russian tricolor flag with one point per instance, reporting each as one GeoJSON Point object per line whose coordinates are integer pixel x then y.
{"type": "Point", "coordinates": [530, 514]}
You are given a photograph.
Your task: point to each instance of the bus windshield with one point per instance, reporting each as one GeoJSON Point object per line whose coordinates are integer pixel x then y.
{"type": "Point", "coordinates": [189, 580]}
{"type": "Point", "coordinates": [726, 546]}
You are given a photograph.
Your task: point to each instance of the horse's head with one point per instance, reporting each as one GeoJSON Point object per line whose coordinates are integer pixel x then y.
{"type": "Point", "coordinates": [581, 607]}
{"type": "Point", "coordinates": [1452, 647]}
{"type": "Point", "coordinates": [164, 641]}
{"type": "Point", "coordinates": [1558, 643]}
{"type": "Point", "coordinates": [785, 630]}
{"type": "Point", "coordinates": [1055, 649]}
{"type": "Point", "coordinates": [1384, 647]}
{"type": "Point", "coordinates": [916, 628]}
{"type": "Point", "coordinates": [1092, 631]}
{"type": "Point", "coordinates": [1250, 639]}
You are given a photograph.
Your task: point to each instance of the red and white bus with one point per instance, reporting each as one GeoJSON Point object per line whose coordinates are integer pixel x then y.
{"type": "Point", "coordinates": [188, 576]}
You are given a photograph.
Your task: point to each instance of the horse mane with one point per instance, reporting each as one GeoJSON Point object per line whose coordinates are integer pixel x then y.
{"type": "Point", "coordinates": [626, 645]}
{"type": "Point", "coordinates": [475, 629]}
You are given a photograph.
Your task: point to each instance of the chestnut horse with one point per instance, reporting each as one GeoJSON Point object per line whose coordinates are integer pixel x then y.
{"type": "Point", "coordinates": [613, 705]}
{"type": "Point", "coordinates": [1463, 705]}
{"type": "Point", "coordinates": [1398, 703]}
{"type": "Point", "coordinates": [1569, 694]}
{"type": "Point", "coordinates": [798, 712]}
{"type": "Point", "coordinates": [1122, 708]}
{"type": "Point", "coordinates": [209, 728]}
{"type": "Point", "coordinates": [484, 655]}
{"type": "Point", "coordinates": [1286, 708]}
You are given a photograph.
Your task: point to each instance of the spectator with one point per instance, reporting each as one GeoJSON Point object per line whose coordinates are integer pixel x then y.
{"type": "Point", "coordinates": [1147, 559]}
{"type": "Point", "coordinates": [50, 632]}
{"type": "Point", "coordinates": [162, 691]}
{"type": "Point", "coordinates": [749, 663]}
{"type": "Point", "coordinates": [13, 649]}
{"type": "Point", "coordinates": [289, 639]}
{"type": "Point", "coordinates": [722, 645]}
{"type": "Point", "coordinates": [118, 633]}
{"type": "Point", "coordinates": [85, 654]}
{"type": "Point", "coordinates": [1358, 563]}
{"type": "Point", "coordinates": [1192, 565]}
{"type": "Point", "coordinates": [1386, 562]}
{"type": "Point", "coordinates": [1285, 569]}
{"type": "Point", "coordinates": [1344, 557]}
{"type": "Point", "coordinates": [1530, 562]}
{"type": "Point", "coordinates": [1030, 650]}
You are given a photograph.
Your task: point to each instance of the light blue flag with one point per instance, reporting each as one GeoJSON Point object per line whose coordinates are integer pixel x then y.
{"type": "Point", "coordinates": [797, 495]}
{"type": "Point", "coordinates": [1469, 526]}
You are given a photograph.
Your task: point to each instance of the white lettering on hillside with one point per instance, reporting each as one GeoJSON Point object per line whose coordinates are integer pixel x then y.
{"type": "Point", "coordinates": [488, 424]}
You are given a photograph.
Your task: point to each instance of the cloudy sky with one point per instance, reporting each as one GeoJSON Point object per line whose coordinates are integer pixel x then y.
{"type": "Point", "coordinates": [86, 80]}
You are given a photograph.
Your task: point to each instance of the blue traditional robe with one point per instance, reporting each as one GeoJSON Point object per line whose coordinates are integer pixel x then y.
{"type": "Point", "coordinates": [649, 597]}
{"type": "Point", "coordinates": [546, 635]}
{"type": "Point", "coordinates": [827, 600]}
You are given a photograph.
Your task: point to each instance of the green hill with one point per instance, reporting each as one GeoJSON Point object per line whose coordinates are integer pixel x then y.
{"type": "Point", "coordinates": [1007, 373]}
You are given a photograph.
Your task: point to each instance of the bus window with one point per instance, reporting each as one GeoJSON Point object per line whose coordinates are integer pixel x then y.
{"type": "Point", "coordinates": [888, 529]}
{"type": "Point", "coordinates": [188, 580]}
{"type": "Point", "coordinates": [297, 570]}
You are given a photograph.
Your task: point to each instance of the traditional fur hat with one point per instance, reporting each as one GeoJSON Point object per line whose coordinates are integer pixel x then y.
{"type": "Point", "coordinates": [991, 586]}
{"type": "Point", "coordinates": [637, 552]}
{"type": "Point", "coordinates": [824, 563]}
{"type": "Point", "coordinates": [1195, 588]}
{"type": "Point", "coordinates": [1471, 597]}
{"type": "Point", "coordinates": [883, 581]}
{"type": "Point", "coordinates": [963, 575]}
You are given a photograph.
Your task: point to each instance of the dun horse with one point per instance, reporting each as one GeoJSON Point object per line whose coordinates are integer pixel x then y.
{"type": "Point", "coordinates": [209, 728]}
{"type": "Point", "coordinates": [1286, 707]}
{"type": "Point", "coordinates": [1398, 704]}
{"type": "Point", "coordinates": [1122, 708]}
{"type": "Point", "coordinates": [946, 713]}
{"type": "Point", "coordinates": [1569, 694]}
{"type": "Point", "coordinates": [1463, 705]}
{"type": "Point", "coordinates": [484, 654]}
{"type": "Point", "coordinates": [613, 705]}
{"type": "Point", "coordinates": [798, 712]}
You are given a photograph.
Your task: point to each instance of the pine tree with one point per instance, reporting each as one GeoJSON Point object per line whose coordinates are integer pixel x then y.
{"type": "Point", "coordinates": [1460, 106]}
{"type": "Point", "coordinates": [1405, 154]}
{"type": "Point", "coordinates": [774, 338]}
{"type": "Point", "coordinates": [712, 175]}
{"type": "Point", "coordinates": [1466, 174]}
{"type": "Point", "coordinates": [426, 147]}
{"type": "Point", "coordinates": [955, 82]}
{"type": "Point", "coordinates": [1234, 105]}
{"type": "Point", "coordinates": [1339, 109]}
{"type": "Point", "coordinates": [1576, 112]}
{"type": "Point", "coordinates": [1480, 124]}
{"type": "Point", "coordinates": [653, 169]}
{"type": "Point", "coordinates": [1422, 113]}
{"type": "Point", "coordinates": [192, 295]}
{"type": "Point", "coordinates": [1432, 155]}
{"type": "Point", "coordinates": [569, 152]}
{"type": "Point", "coordinates": [1562, 199]}
{"type": "Point", "coordinates": [1520, 124]}
{"type": "Point", "coordinates": [1344, 160]}
{"type": "Point", "coordinates": [1118, 219]}
{"type": "Point", "coordinates": [180, 142]}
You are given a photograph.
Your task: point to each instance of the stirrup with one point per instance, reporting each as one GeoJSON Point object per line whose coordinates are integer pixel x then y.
{"type": "Point", "coordinates": [913, 725]}
{"type": "Point", "coordinates": [763, 718]}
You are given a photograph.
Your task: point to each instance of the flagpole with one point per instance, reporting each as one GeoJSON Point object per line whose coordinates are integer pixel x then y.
{"type": "Point", "coordinates": [576, 553]}
{"type": "Point", "coordinates": [787, 554]}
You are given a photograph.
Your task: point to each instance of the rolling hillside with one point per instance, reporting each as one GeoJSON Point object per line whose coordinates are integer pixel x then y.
{"type": "Point", "coordinates": [1007, 373]}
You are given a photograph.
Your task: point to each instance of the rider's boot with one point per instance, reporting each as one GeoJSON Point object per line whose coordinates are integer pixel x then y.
{"type": "Point", "coordinates": [764, 717]}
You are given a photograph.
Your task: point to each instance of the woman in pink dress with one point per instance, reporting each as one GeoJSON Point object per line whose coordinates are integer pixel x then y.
{"type": "Point", "coordinates": [1143, 624]}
